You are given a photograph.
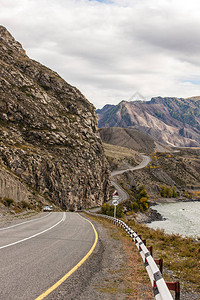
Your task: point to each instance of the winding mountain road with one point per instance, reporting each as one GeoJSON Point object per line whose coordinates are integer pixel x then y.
{"type": "Point", "coordinates": [36, 254]}
{"type": "Point", "coordinates": [122, 193]}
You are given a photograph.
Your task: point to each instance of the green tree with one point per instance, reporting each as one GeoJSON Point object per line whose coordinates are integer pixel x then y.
{"type": "Point", "coordinates": [108, 210]}
{"type": "Point", "coordinates": [143, 204]}
{"type": "Point", "coordinates": [174, 192]}
{"type": "Point", "coordinates": [134, 206]}
{"type": "Point", "coordinates": [142, 193]}
{"type": "Point", "coordinates": [167, 192]}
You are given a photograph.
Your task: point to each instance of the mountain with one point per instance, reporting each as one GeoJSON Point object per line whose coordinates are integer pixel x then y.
{"type": "Point", "coordinates": [129, 138]}
{"type": "Point", "coordinates": [49, 147]}
{"type": "Point", "coordinates": [173, 121]}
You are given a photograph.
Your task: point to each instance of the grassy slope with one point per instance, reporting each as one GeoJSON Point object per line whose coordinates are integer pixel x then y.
{"type": "Point", "coordinates": [133, 275]}
{"type": "Point", "coordinates": [120, 157]}
{"type": "Point", "coordinates": [181, 256]}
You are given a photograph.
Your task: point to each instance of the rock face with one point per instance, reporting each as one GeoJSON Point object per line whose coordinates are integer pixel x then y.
{"type": "Point", "coordinates": [11, 187]}
{"type": "Point", "coordinates": [48, 142]}
{"type": "Point", "coordinates": [173, 121]}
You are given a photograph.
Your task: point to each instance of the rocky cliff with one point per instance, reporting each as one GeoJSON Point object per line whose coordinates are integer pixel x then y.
{"type": "Point", "coordinates": [173, 121]}
{"type": "Point", "coordinates": [48, 140]}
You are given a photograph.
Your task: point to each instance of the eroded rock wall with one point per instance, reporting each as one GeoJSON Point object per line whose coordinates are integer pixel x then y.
{"type": "Point", "coordinates": [11, 187]}
{"type": "Point", "coordinates": [48, 132]}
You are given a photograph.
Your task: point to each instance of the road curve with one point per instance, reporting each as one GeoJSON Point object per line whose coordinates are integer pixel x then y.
{"type": "Point", "coordinates": [122, 193]}
{"type": "Point", "coordinates": [48, 249]}
{"type": "Point", "coordinates": [145, 160]}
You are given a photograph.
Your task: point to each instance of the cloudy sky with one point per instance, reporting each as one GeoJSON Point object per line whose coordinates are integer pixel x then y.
{"type": "Point", "coordinates": [111, 49]}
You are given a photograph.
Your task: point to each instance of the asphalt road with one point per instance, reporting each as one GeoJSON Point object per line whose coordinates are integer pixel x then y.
{"type": "Point", "coordinates": [122, 193]}
{"type": "Point", "coordinates": [36, 254]}
{"type": "Point", "coordinates": [144, 163]}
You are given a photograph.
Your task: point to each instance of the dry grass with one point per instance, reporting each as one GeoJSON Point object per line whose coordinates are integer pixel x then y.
{"type": "Point", "coordinates": [138, 282]}
{"type": "Point", "coordinates": [181, 255]}
{"type": "Point", "coordinates": [120, 157]}
{"type": "Point", "coordinates": [181, 261]}
{"type": "Point", "coordinates": [119, 152]}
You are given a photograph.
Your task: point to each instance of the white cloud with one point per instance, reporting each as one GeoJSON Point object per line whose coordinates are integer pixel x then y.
{"type": "Point", "coordinates": [111, 49]}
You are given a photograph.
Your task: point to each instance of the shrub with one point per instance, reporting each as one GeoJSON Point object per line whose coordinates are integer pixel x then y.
{"type": "Point", "coordinates": [141, 192]}
{"type": "Point", "coordinates": [138, 200]}
{"type": "Point", "coordinates": [108, 210]}
{"type": "Point", "coordinates": [8, 201]}
{"type": "Point", "coordinates": [134, 206]}
{"type": "Point", "coordinates": [143, 204]}
{"type": "Point", "coordinates": [23, 204]}
{"type": "Point", "coordinates": [167, 192]}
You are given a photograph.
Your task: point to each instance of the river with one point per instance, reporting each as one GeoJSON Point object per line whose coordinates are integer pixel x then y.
{"type": "Point", "coordinates": [181, 217]}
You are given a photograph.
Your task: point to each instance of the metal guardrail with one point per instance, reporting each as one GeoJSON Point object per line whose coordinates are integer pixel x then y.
{"type": "Point", "coordinates": [160, 289]}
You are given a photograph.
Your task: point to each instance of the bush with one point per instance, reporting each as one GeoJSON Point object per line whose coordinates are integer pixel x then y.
{"type": "Point", "coordinates": [141, 193]}
{"type": "Point", "coordinates": [167, 192]}
{"type": "Point", "coordinates": [108, 210]}
{"type": "Point", "coordinates": [138, 200]}
{"type": "Point", "coordinates": [23, 204]}
{"type": "Point", "coordinates": [142, 198]}
{"type": "Point", "coordinates": [134, 206]}
{"type": "Point", "coordinates": [8, 201]}
{"type": "Point", "coordinates": [143, 204]}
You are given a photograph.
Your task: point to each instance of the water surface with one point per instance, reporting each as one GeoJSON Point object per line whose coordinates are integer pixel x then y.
{"type": "Point", "coordinates": [182, 218]}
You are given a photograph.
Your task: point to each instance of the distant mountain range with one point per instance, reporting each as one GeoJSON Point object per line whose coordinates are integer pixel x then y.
{"type": "Point", "coordinates": [172, 121]}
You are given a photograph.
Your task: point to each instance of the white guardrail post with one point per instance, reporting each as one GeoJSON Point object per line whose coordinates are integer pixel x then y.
{"type": "Point", "coordinates": [160, 288]}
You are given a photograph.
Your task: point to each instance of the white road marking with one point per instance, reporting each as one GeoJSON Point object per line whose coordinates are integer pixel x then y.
{"type": "Point", "coordinates": [32, 236]}
{"type": "Point", "coordinates": [25, 222]}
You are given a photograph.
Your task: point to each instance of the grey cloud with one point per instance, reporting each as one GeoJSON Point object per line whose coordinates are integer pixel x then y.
{"type": "Point", "coordinates": [180, 38]}
{"type": "Point", "coordinates": [111, 50]}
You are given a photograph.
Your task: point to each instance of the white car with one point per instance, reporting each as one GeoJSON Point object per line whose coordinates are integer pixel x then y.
{"type": "Point", "coordinates": [48, 208]}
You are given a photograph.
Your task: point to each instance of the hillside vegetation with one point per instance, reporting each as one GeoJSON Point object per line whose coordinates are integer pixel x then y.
{"type": "Point", "coordinates": [168, 175]}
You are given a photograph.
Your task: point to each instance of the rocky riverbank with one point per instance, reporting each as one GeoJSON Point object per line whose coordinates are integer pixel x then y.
{"type": "Point", "coordinates": [149, 216]}
{"type": "Point", "coordinates": [153, 215]}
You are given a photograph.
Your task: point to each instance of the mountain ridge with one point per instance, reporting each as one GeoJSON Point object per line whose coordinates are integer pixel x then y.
{"type": "Point", "coordinates": [173, 121]}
